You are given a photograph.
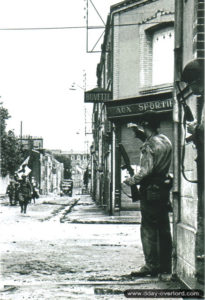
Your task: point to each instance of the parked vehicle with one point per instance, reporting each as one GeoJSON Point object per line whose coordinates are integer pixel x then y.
{"type": "Point", "coordinates": [67, 187]}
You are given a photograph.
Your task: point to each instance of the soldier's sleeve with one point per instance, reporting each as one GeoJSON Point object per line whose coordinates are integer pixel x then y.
{"type": "Point", "coordinates": [146, 166]}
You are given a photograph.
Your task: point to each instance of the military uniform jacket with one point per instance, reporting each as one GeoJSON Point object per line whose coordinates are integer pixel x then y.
{"type": "Point", "coordinates": [155, 160]}
{"type": "Point", "coordinates": [25, 189]}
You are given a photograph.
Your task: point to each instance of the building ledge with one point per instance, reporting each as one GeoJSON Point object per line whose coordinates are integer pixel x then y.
{"type": "Point", "coordinates": [156, 89]}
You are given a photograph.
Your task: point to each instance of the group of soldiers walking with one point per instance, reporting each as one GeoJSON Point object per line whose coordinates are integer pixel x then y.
{"type": "Point", "coordinates": [22, 191]}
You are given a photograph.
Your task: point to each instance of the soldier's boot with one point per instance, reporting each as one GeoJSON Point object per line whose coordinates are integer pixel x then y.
{"type": "Point", "coordinates": [145, 271]}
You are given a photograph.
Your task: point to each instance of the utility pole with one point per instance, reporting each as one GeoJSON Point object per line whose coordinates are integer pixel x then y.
{"type": "Point", "coordinates": [21, 131]}
{"type": "Point", "coordinates": [0, 142]}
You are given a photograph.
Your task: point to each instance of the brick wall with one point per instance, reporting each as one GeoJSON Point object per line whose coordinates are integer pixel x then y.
{"type": "Point", "coordinates": [133, 46]}
{"type": "Point", "coordinates": [198, 36]}
{"type": "Point", "coordinates": [145, 58]}
{"type": "Point", "coordinates": [187, 226]}
{"type": "Point", "coordinates": [116, 59]}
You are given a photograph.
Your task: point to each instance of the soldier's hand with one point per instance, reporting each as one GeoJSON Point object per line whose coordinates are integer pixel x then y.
{"type": "Point", "coordinates": [191, 127]}
{"type": "Point", "coordinates": [129, 181]}
{"type": "Point", "coordinates": [126, 182]}
{"type": "Point", "coordinates": [135, 127]}
{"type": "Point", "coordinates": [132, 125]}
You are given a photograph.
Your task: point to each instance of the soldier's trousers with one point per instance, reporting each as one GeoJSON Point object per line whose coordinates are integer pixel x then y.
{"type": "Point", "coordinates": [23, 202]}
{"type": "Point", "coordinates": [156, 236]}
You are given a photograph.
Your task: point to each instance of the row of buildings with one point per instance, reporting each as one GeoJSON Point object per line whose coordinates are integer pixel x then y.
{"type": "Point", "coordinates": [48, 171]}
{"type": "Point", "coordinates": [43, 165]}
{"type": "Point", "coordinates": [153, 59]}
{"type": "Point", "coordinates": [39, 164]}
{"type": "Point", "coordinates": [80, 161]}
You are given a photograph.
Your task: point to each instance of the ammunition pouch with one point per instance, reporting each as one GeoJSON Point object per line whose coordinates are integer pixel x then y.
{"type": "Point", "coordinates": [163, 182]}
{"type": "Point", "coordinates": [153, 193]}
{"type": "Point", "coordinates": [156, 191]}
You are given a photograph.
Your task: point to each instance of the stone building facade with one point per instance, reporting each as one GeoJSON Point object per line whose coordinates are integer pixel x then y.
{"type": "Point", "coordinates": [47, 171]}
{"type": "Point", "coordinates": [188, 191]}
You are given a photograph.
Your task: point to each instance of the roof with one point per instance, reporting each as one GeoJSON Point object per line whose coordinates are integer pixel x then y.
{"type": "Point", "coordinates": [68, 152]}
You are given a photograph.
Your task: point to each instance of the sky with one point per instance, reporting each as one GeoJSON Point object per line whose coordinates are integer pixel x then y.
{"type": "Point", "coordinates": [38, 68]}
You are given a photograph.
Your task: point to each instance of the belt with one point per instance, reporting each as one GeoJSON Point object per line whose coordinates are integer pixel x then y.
{"type": "Point", "coordinates": [153, 179]}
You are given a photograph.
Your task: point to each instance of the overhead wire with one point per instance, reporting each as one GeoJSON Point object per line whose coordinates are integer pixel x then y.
{"type": "Point", "coordinates": [73, 27]}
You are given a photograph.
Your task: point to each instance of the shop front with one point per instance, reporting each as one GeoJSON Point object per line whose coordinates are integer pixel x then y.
{"type": "Point", "coordinates": [126, 147]}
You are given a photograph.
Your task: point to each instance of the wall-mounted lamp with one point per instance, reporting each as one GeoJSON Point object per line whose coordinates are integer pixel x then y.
{"type": "Point", "coordinates": [74, 86]}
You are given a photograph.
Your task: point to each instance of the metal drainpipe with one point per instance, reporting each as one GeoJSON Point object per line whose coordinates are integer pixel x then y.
{"type": "Point", "coordinates": [112, 204]}
{"type": "Point", "coordinates": [112, 143]}
{"type": "Point", "coordinates": [176, 129]}
{"type": "Point", "coordinates": [113, 156]}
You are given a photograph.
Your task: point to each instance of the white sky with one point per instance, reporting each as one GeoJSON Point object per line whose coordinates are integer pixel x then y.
{"type": "Point", "coordinates": [37, 68]}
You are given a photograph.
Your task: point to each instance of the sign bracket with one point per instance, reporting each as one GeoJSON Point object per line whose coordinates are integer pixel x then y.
{"type": "Point", "coordinates": [88, 28]}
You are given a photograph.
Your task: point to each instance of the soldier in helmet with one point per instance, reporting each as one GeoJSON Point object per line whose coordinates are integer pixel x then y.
{"type": "Point", "coordinates": [11, 192]}
{"type": "Point", "coordinates": [24, 193]}
{"type": "Point", "coordinates": [155, 161]}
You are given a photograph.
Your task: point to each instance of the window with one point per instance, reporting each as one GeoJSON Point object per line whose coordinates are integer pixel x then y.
{"type": "Point", "coordinates": [163, 56]}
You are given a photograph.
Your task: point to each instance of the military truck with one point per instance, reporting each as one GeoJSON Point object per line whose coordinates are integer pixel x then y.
{"type": "Point", "coordinates": [67, 187]}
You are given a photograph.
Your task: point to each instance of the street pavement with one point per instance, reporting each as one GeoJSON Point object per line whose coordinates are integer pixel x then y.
{"type": "Point", "coordinates": [69, 248]}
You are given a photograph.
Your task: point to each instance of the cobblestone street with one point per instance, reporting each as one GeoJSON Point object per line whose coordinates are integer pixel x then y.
{"type": "Point", "coordinates": [67, 248]}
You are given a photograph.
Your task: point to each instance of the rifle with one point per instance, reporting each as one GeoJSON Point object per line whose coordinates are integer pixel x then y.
{"type": "Point", "coordinates": [134, 190]}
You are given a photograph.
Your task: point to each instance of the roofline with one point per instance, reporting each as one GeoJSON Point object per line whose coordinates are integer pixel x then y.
{"type": "Point", "coordinates": [128, 4]}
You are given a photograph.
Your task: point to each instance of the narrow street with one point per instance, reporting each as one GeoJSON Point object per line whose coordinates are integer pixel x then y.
{"type": "Point", "coordinates": [67, 248]}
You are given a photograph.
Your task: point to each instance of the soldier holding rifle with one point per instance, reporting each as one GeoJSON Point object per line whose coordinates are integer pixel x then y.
{"type": "Point", "coordinates": [152, 177]}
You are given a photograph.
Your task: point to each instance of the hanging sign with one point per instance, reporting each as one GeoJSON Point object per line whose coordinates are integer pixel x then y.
{"type": "Point", "coordinates": [97, 95]}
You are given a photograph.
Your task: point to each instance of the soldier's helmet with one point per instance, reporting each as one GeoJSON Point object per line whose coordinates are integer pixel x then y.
{"type": "Point", "coordinates": [150, 119]}
{"type": "Point", "coordinates": [193, 75]}
{"type": "Point", "coordinates": [193, 71]}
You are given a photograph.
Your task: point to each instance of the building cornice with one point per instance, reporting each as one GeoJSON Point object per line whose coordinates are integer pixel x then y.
{"type": "Point", "coordinates": [129, 4]}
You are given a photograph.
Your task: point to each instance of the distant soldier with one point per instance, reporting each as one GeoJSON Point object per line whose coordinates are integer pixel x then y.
{"type": "Point", "coordinates": [35, 194]}
{"type": "Point", "coordinates": [86, 178]}
{"type": "Point", "coordinates": [24, 193]}
{"type": "Point", "coordinates": [17, 184]}
{"type": "Point", "coordinates": [11, 192]}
